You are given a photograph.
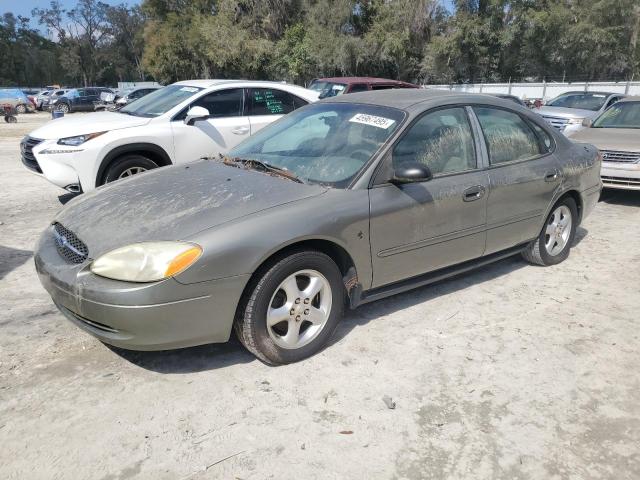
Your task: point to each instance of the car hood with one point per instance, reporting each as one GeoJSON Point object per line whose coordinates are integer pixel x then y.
{"type": "Point", "coordinates": [624, 139]}
{"type": "Point", "coordinates": [174, 203]}
{"type": "Point", "coordinates": [566, 112]}
{"type": "Point", "coordinates": [72, 125]}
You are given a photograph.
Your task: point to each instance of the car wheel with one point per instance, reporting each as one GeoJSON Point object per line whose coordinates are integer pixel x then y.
{"type": "Point", "coordinates": [127, 166]}
{"type": "Point", "coordinates": [554, 242]}
{"type": "Point", "coordinates": [63, 107]}
{"type": "Point", "coordinates": [291, 308]}
{"type": "Point", "coordinates": [21, 109]}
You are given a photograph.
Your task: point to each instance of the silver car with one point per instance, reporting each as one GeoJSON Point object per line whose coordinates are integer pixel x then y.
{"type": "Point", "coordinates": [616, 134]}
{"type": "Point", "coordinates": [567, 111]}
{"type": "Point", "coordinates": [339, 203]}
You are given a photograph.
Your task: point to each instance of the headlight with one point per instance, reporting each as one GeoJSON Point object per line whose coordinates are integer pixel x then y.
{"type": "Point", "coordinates": [147, 262]}
{"type": "Point", "coordinates": [575, 121]}
{"type": "Point", "coordinates": [79, 139]}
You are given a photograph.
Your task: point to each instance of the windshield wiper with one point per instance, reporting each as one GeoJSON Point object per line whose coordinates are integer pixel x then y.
{"type": "Point", "coordinates": [257, 164]}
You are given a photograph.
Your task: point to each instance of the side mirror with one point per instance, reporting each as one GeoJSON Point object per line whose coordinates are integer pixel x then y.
{"type": "Point", "coordinates": [587, 122]}
{"type": "Point", "coordinates": [195, 113]}
{"type": "Point", "coordinates": [411, 173]}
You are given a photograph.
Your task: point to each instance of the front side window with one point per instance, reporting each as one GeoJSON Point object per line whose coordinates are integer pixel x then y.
{"type": "Point", "coordinates": [271, 101]}
{"type": "Point", "coordinates": [222, 103]}
{"type": "Point", "coordinates": [325, 143]}
{"type": "Point", "coordinates": [160, 101]}
{"type": "Point", "coordinates": [507, 135]}
{"type": "Point", "coordinates": [441, 140]}
{"type": "Point", "coordinates": [620, 115]}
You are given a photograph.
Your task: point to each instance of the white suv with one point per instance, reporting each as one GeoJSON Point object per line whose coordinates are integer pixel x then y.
{"type": "Point", "coordinates": [176, 124]}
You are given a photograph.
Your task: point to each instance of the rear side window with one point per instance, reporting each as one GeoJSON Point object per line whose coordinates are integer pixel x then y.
{"type": "Point", "coordinates": [222, 103]}
{"type": "Point", "coordinates": [546, 142]}
{"type": "Point", "coordinates": [358, 87]}
{"type": "Point", "coordinates": [382, 87]}
{"type": "Point", "coordinates": [441, 140]}
{"type": "Point", "coordinates": [507, 135]}
{"type": "Point", "coordinates": [270, 101]}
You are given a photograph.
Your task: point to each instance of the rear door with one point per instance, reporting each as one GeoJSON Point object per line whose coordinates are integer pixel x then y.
{"type": "Point", "coordinates": [420, 227]}
{"type": "Point", "coordinates": [225, 127]}
{"type": "Point", "coordinates": [266, 105]}
{"type": "Point", "coordinates": [523, 173]}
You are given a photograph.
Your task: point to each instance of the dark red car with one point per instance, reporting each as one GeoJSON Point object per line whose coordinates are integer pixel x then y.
{"type": "Point", "coordinates": [333, 86]}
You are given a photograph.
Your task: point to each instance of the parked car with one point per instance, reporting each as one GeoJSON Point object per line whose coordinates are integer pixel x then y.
{"type": "Point", "coordinates": [41, 97]}
{"type": "Point", "coordinates": [132, 94]}
{"type": "Point", "coordinates": [355, 197]}
{"type": "Point", "coordinates": [15, 98]}
{"type": "Point", "coordinates": [567, 111]}
{"type": "Point", "coordinates": [48, 102]}
{"type": "Point", "coordinates": [176, 124]}
{"type": "Point", "coordinates": [80, 99]}
{"type": "Point", "coordinates": [331, 87]}
{"type": "Point", "coordinates": [615, 133]}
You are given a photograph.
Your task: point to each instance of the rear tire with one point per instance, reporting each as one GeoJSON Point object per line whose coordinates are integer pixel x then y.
{"type": "Point", "coordinates": [128, 165]}
{"type": "Point", "coordinates": [553, 245]}
{"type": "Point", "coordinates": [291, 308]}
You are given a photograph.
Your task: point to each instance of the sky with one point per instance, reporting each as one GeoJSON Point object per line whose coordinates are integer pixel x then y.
{"type": "Point", "coordinates": [24, 7]}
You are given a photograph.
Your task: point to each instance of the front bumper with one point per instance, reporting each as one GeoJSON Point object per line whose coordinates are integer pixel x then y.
{"type": "Point", "coordinates": [139, 316]}
{"type": "Point", "coordinates": [621, 175]}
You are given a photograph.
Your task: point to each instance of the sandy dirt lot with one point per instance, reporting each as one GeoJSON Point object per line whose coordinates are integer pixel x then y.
{"type": "Point", "coordinates": [511, 372]}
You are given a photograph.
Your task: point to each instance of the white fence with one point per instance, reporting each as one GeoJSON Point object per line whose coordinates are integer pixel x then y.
{"type": "Point", "coordinates": [543, 90]}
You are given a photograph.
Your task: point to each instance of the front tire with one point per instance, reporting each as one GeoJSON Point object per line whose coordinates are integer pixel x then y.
{"type": "Point", "coordinates": [21, 109]}
{"type": "Point", "coordinates": [128, 165]}
{"type": "Point", "coordinates": [63, 107]}
{"type": "Point", "coordinates": [291, 308]}
{"type": "Point", "coordinates": [553, 245]}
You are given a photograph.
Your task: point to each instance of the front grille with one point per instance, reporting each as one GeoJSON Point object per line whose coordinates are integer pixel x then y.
{"type": "Point", "coordinates": [619, 156]}
{"type": "Point", "coordinates": [70, 247]}
{"type": "Point", "coordinates": [621, 182]}
{"type": "Point", "coordinates": [26, 152]}
{"type": "Point", "coordinates": [557, 122]}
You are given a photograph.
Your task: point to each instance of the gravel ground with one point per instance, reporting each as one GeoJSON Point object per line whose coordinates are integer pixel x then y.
{"type": "Point", "coordinates": [511, 372]}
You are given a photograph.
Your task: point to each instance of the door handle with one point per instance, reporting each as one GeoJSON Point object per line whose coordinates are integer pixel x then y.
{"type": "Point", "coordinates": [240, 130]}
{"type": "Point", "coordinates": [551, 176]}
{"type": "Point", "coordinates": [473, 193]}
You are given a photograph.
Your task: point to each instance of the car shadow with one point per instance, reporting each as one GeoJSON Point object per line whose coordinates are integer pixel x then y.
{"type": "Point", "coordinates": [629, 198]}
{"type": "Point", "coordinates": [188, 360]}
{"type": "Point", "coordinates": [12, 258]}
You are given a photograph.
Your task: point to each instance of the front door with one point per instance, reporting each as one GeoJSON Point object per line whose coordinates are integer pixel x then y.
{"type": "Point", "coordinates": [420, 227]}
{"type": "Point", "coordinates": [223, 130]}
{"type": "Point", "coordinates": [523, 173]}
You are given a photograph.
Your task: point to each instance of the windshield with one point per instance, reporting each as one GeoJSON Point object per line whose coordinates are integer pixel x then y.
{"type": "Point", "coordinates": [327, 89]}
{"type": "Point", "coordinates": [620, 115]}
{"type": "Point", "coordinates": [160, 101]}
{"type": "Point", "coordinates": [584, 101]}
{"type": "Point", "coordinates": [323, 143]}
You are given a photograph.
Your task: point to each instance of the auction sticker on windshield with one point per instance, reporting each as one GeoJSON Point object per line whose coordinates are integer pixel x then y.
{"type": "Point", "coordinates": [373, 120]}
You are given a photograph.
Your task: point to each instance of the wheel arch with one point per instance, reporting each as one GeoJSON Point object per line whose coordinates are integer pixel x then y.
{"type": "Point", "coordinates": [575, 195]}
{"type": "Point", "coordinates": [332, 249]}
{"type": "Point", "coordinates": [151, 150]}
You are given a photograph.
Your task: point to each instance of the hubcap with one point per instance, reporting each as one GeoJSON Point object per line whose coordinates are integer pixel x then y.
{"type": "Point", "coordinates": [558, 230]}
{"type": "Point", "coordinates": [132, 171]}
{"type": "Point", "coordinates": [299, 309]}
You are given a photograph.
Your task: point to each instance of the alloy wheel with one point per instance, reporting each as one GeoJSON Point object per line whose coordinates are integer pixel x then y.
{"type": "Point", "coordinates": [299, 309]}
{"type": "Point", "coordinates": [558, 230]}
{"type": "Point", "coordinates": [132, 171]}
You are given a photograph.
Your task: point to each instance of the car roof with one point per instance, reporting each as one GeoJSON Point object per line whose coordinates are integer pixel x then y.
{"type": "Point", "coordinates": [573, 92]}
{"type": "Point", "coordinates": [214, 82]}
{"type": "Point", "coordinates": [406, 99]}
{"type": "Point", "coordinates": [635, 98]}
{"type": "Point", "coordinates": [359, 80]}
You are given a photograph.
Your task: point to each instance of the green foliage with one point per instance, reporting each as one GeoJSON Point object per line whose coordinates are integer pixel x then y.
{"type": "Point", "coordinates": [297, 40]}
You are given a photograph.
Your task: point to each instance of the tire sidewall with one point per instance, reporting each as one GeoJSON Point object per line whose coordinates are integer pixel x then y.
{"type": "Point", "coordinates": [125, 162]}
{"type": "Point", "coordinates": [555, 259]}
{"type": "Point", "coordinates": [313, 261]}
